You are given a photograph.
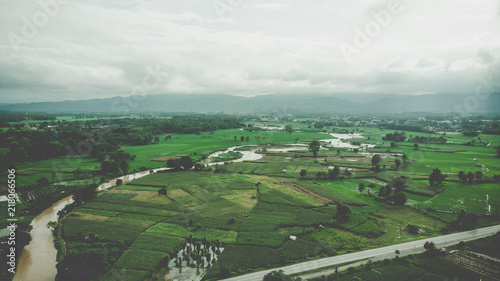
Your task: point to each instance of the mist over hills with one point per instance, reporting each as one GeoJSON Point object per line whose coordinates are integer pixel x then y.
{"type": "Point", "coordinates": [294, 104]}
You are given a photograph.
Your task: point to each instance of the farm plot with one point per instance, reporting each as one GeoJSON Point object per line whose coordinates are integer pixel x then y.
{"type": "Point", "coordinates": [130, 209]}
{"type": "Point", "coordinates": [225, 236]}
{"type": "Point", "coordinates": [139, 200]}
{"type": "Point", "coordinates": [158, 242]}
{"type": "Point", "coordinates": [294, 250]}
{"type": "Point", "coordinates": [363, 225]}
{"type": "Point", "coordinates": [243, 258]}
{"type": "Point", "coordinates": [472, 198]}
{"type": "Point", "coordinates": [116, 229]}
{"type": "Point", "coordinates": [138, 259]}
{"type": "Point", "coordinates": [329, 192]}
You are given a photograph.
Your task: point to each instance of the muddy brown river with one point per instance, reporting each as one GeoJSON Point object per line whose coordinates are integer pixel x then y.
{"type": "Point", "coordinates": [38, 259]}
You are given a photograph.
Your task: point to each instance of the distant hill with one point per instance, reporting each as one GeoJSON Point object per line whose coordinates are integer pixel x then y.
{"type": "Point", "coordinates": [310, 103]}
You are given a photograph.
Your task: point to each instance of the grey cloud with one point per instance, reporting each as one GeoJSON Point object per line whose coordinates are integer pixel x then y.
{"type": "Point", "coordinates": [102, 48]}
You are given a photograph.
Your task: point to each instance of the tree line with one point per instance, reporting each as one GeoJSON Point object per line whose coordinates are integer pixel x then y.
{"type": "Point", "coordinates": [41, 143]}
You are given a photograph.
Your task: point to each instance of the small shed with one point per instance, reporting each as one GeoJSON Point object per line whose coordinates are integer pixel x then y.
{"type": "Point", "coordinates": [293, 237]}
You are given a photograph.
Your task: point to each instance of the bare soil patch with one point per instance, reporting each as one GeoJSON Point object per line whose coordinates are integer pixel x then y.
{"type": "Point", "coordinates": [165, 159]}
{"type": "Point", "coordinates": [309, 193]}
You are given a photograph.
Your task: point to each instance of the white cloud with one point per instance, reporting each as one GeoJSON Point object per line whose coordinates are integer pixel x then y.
{"type": "Point", "coordinates": [271, 6]}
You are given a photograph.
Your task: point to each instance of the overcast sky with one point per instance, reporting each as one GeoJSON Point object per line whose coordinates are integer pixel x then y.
{"type": "Point", "coordinates": [97, 48]}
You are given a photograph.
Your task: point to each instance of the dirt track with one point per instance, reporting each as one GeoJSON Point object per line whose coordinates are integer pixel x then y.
{"type": "Point", "coordinates": [309, 193]}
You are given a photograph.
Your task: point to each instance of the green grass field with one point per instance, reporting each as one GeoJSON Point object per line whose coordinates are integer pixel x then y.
{"type": "Point", "coordinates": [206, 143]}
{"type": "Point", "coordinates": [255, 226]}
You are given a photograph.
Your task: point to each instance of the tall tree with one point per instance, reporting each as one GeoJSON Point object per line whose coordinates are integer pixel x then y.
{"type": "Point", "coordinates": [174, 164]}
{"type": "Point", "coordinates": [479, 176]}
{"type": "Point", "coordinates": [398, 198]}
{"type": "Point", "coordinates": [303, 173]}
{"type": "Point", "coordinates": [462, 177]}
{"type": "Point", "coordinates": [343, 211]}
{"type": "Point", "coordinates": [333, 173]}
{"type": "Point", "coordinates": [162, 191]}
{"type": "Point", "coordinates": [289, 129]}
{"type": "Point", "coordinates": [314, 147]}
{"type": "Point", "coordinates": [397, 162]}
{"type": "Point", "coordinates": [376, 159]}
{"type": "Point", "coordinates": [85, 194]}
{"type": "Point", "coordinates": [186, 162]}
{"type": "Point", "coordinates": [361, 187]}
{"type": "Point", "coordinates": [470, 177]}
{"type": "Point", "coordinates": [405, 159]}
{"type": "Point", "coordinates": [385, 191]}
{"type": "Point", "coordinates": [436, 177]}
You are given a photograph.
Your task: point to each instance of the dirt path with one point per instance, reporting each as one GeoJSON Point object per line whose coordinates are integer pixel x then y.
{"type": "Point", "coordinates": [309, 193]}
{"type": "Point", "coordinates": [132, 191]}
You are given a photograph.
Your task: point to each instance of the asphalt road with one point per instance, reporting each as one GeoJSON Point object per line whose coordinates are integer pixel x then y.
{"type": "Point", "coordinates": [409, 248]}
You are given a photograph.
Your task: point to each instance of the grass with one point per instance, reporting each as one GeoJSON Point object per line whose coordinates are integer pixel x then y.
{"type": "Point", "coordinates": [158, 242]}
{"type": "Point", "coordinates": [489, 245]}
{"type": "Point", "coordinates": [206, 143]}
{"type": "Point", "coordinates": [329, 190]}
{"type": "Point", "coordinates": [132, 209]}
{"type": "Point", "coordinates": [116, 229]}
{"type": "Point", "coordinates": [125, 274]}
{"type": "Point", "coordinates": [98, 212]}
{"type": "Point", "coordinates": [472, 198]}
{"type": "Point", "coordinates": [225, 236]}
{"type": "Point", "coordinates": [242, 258]}
{"type": "Point", "coordinates": [138, 188]}
{"type": "Point", "coordinates": [139, 259]}
{"type": "Point", "coordinates": [337, 239]}
{"type": "Point", "coordinates": [223, 206]}
{"type": "Point", "coordinates": [294, 250]}
{"type": "Point", "coordinates": [139, 200]}
{"type": "Point", "coordinates": [141, 217]}
{"type": "Point", "coordinates": [57, 169]}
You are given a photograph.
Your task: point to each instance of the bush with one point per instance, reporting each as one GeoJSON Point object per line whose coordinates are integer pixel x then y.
{"type": "Point", "coordinates": [244, 258]}
{"type": "Point", "coordinates": [294, 250]}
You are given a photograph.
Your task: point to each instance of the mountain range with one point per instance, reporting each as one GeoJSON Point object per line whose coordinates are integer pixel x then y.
{"type": "Point", "coordinates": [294, 104]}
